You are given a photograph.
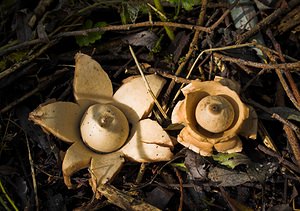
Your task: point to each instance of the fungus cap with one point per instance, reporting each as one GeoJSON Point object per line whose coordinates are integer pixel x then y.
{"type": "Point", "coordinates": [104, 128]}
{"type": "Point", "coordinates": [214, 113]}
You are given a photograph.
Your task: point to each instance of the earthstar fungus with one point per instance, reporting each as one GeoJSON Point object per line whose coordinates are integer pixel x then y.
{"type": "Point", "coordinates": [214, 115]}
{"type": "Point", "coordinates": [105, 129]}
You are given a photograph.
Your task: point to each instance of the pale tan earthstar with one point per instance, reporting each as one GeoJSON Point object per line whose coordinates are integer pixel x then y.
{"type": "Point", "coordinates": [213, 116]}
{"type": "Point", "coordinates": [105, 129]}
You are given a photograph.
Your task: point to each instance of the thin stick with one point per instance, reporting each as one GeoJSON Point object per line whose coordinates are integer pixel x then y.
{"type": "Point", "coordinates": [192, 48]}
{"type": "Point", "coordinates": [180, 188]}
{"type": "Point", "coordinates": [132, 26]}
{"type": "Point", "coordinates": [210, 50]}
{"type": "Point", "coordinates": [147, 84]}
{"type": "Point", "coordinates": [283, 82]}
{"type": "Point", "coordinates": [32, 175]}
{"type": "Point", "coordinates": [276, 116]}
{"type": "Point", "coordinates": [30, 58]}
{"type": "Point", "coordinates": [292, 65]}
{"type": "Point", "coordinates": [288, 123]}
{"type": "Point", "coordinates": [293, 142]}
{"type": "Point", "coordinates": [43, 83]}
{"type": "Point", "coordinates": [266, 21]}
{"type": "Point", "coordinates": [286, 72]}
{"type": "Point", "coordinates": [157, 11]}
{"type": "Point", "coordinates": [280, 159]}
{"type": "Point", "coordinates": [218, 49]}
{"type": "Point", "coordinates": [162, 17]}
{"type": "Point", "coordinates": [141, 173]}
{"type": "Point", "coordinates": [7, 196]}
{"type": "Point", "coordinates": [4, 204]}
{"type": "Point", "coordinates": [123, 200]}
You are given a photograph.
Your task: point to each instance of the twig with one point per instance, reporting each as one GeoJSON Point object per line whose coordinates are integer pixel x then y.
{"type": "Point", "coordinates": [141, 173]}
{"type": "Point", "coordinates": [283, 82]}
{"type": "Point", "coordinates": [19, 100]}
{"type": "Point", "coordinates": [32, 175]}
{"type": "Point", "coordinates": [104, 29]}
{"type": "Point", "coordinates": [30, 58]}
{"type": "Point", "coordinates": [261, 72]}
{"type": "Point", "coordinates": [120, 70]}
{"type": "Point", "coordinates": [7, 196]}
{"type": "Point", "coordinates": [176, 79]}
{"type": "Point", "coordinates": [192, 48]}
{"type": "Point", "coordinates": [179, 155]}
{"type": "Point", "coordinates": [293, 142]}
{"type": "Point", "coordinates": [292, 65]}
{"type": "Point", "coordinates": [132, 26]}
{"type": "Point", "coordinates": [123, 200]}
{"type": "Point", "coordinates": [267, 21]}
{"type": "Point", "coordinates": [276, 116]}
{"type": "Point", "coordinates": [288, 123]}
{"type": "Point", "coordinates": [159, 8]}
{"type": "Point", "coordinates": [161, 72]}
{"type": "Point", "coordinates": [42, 84]}
{"type": "Point", "coordinates": [266, 49]}
{"type": "Point", "coordinates": [3, 203]}
{"type": "Point", "coordinates": [180, 188]}
{"type": "Point", "coordinates": [287, 89]}
{"type": "Point", "coordinates": [147, 84]}
{"type": "Point", "coordinates": [21, 45]}
{"type": "Point", "coordinates": [286, 72]}
{"type": "Point", "coordinates": [217, 23]}
{"type": "Point", "coordinates": [280, 159]}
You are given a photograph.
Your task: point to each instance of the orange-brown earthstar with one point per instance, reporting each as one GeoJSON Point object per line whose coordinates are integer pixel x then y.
{"type": "Point", "coordinates": [105, 129]}
{"type": "Point", "coordinates": [214, 115]}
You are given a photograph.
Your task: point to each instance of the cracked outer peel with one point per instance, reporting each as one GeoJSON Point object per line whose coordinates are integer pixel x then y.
{"type": "Point", "coordinates": [200, 146]}
{"type": "Point", "coordinates": [147, 145]}
{"type": "Point", "coordinates": [134, 99]}
{"type": "Point", "coordinates": [77, 157]}
{"type": "Point", "coordinates": [62, 119]}
{"type": "Point", "coordinates": [91, 82]}
{"type": "Point", "coordinates": [230, 146]}
{"type": "Point", "coordinates": [105, 167]}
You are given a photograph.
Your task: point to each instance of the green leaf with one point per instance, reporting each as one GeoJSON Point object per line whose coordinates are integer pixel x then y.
{"type": "Point", "coordinates": [91, 37]}
{"type": "Point", "coordinates": [231, 160]}
{"type": "Point", "coordinates": [186, 4]}
{"type": "Point", "coordinates": [180, 166]}
{"type": "Point", "coordinates": [175, 127]}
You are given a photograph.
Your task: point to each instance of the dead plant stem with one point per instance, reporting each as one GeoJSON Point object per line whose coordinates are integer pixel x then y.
{"type": "Point", "coordinates": [292, 65]}
{"type": "Point", "coordinates": [293, 142]}
{"type": "Point", "coordinates": [7, 196]}
{"type": "Point", "coordinates": [162, 16]}
{"type": "Point", "coordinates": [132, 26]}
{"type": "Point", "coordinates": [180, 188]}
{"type": "Point", "coordinates": [267, 21]}
{"type": "Point", "coordinates": [288, 123]}
{"type": "Point", "coordinates": [33, 176]}
{"type": "Point", "coordinates": [147, 84]}
{"type": "Point", "coordinates": [279, 157]}
{"type": "Point", "coordinates": [286, 72]}
{"type": "Point", "coordinates": [276, 116]}
{"type": "Point", "coordinates": [283, 82]}
{"type": "Point", "coordinates": [192, 47]}
{"type": "Point", "coordinates": [27, 60]}
{"type": "Point", "coordinates": [42, 84]}
{"type": "Point", "coordinates": [287, 89]}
